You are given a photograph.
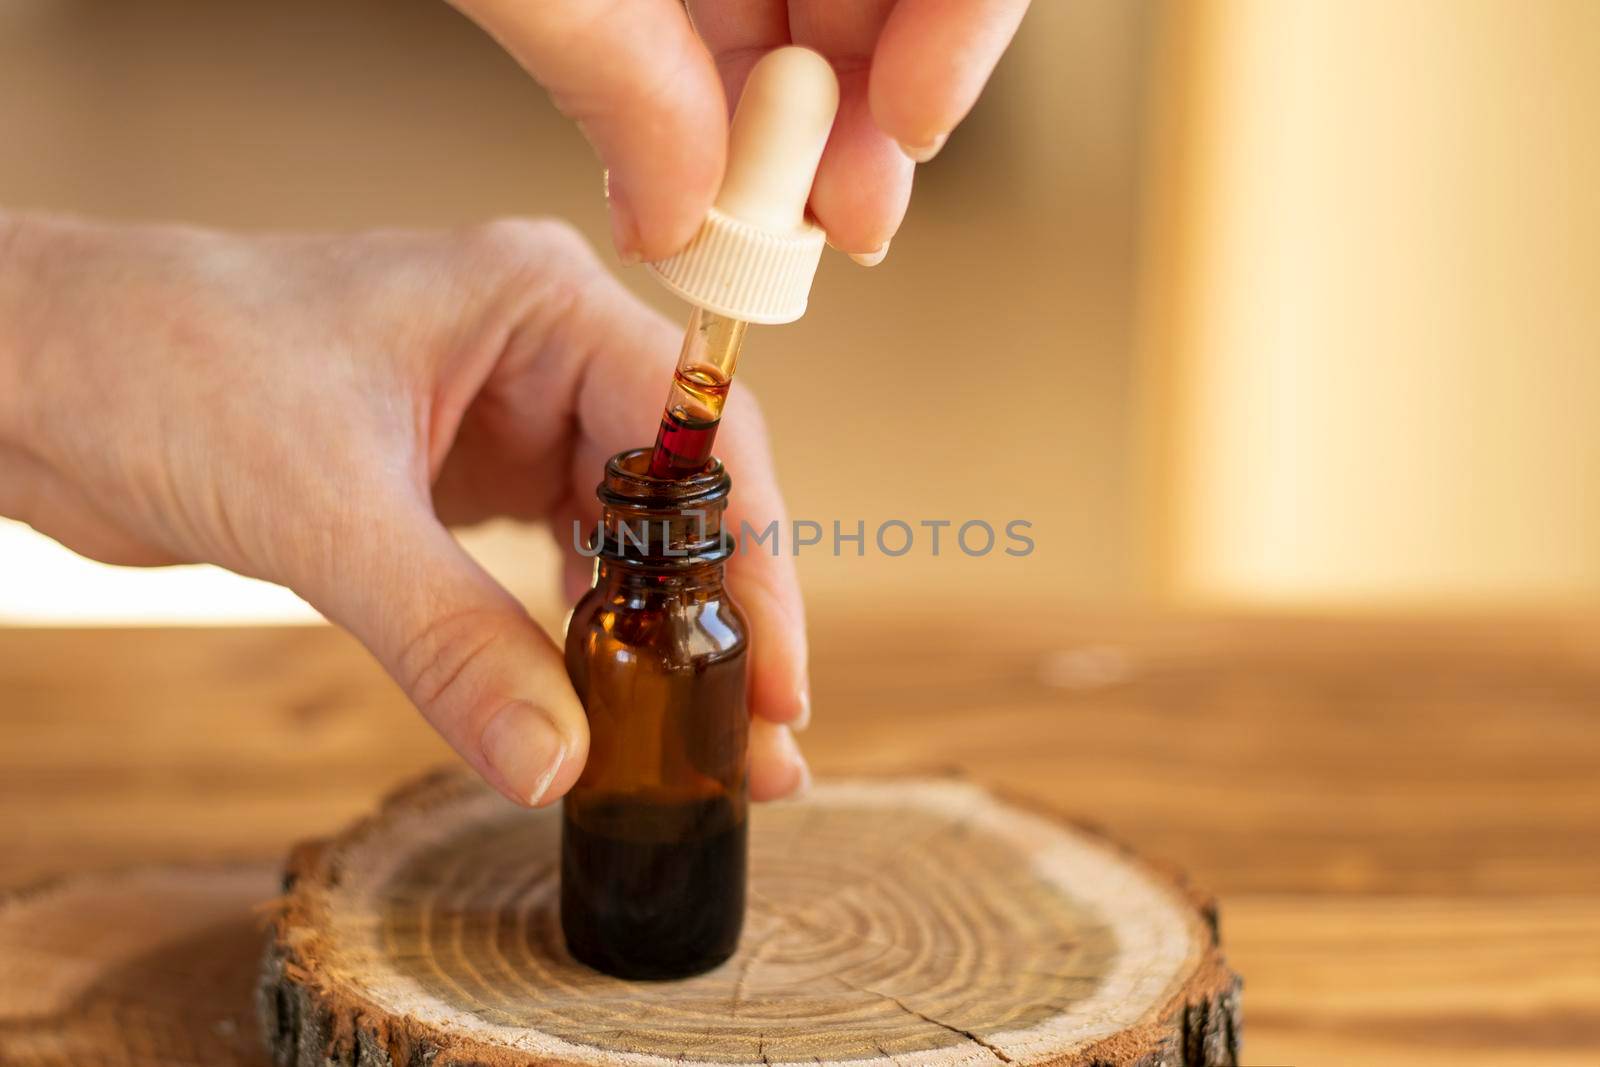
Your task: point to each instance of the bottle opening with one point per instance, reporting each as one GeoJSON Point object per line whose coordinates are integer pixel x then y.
{"type": "Point", "coordinates": [628, 479]}
{"type": "Point", "coordinates": [662, 521]}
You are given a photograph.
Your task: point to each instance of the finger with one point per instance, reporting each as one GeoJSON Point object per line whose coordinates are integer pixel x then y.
{"type": "Point", "coordinates": [762, 575]}
{"type": "Point", "coordinates": [503, 410]}
{"type": "Point", "coordinates": [580, 369]}
{"type": "Point", "coordinates": [932, 60]}
{"type": "Point", "coordinates": [777, 769]}
{"type": "Point", "coordinates": [846, 31]}
{"type": "Point", "coordinates": [738, 33]}
{"type": "Point", "coordinates": [573, 526]}
{"type": "Point", "coordinates": [863, 182]}
{"type": "Point", "coordinates": [470, 659]}
{"type": "Point", "coordinates": [644, 91]}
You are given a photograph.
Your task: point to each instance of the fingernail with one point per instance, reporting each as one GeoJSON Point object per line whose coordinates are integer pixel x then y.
{"type": "Point", "coordinates": [873, 258]}
{"type": "Point", "coordinates": [622, 237]}
{"type": "Point", "coordinates": [802, 720]}
{"type": "Point", "coordinates": [797, 761]}
{"type": "Point", "coordinates": [921, 153]}
{"type": "Point", "coordinates": [803, 785]}
{"type": "Point", "coordinates": [525, 749]}
{"type": "Point", "coordinates": [623, 230]}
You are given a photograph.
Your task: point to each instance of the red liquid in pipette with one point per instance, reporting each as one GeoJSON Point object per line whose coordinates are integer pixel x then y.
{"type": "Point", "coordinates": [689, 425]}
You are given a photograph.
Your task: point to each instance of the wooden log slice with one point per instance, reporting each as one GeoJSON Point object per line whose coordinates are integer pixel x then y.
{"type": "Point", "coordinates": [141, 968]}
{"type": "Point", "coordinates": [890, 922]}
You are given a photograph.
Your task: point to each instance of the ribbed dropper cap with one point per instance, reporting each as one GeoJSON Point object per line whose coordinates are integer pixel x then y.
{"type": "Point", "coordinates": [756, 253]}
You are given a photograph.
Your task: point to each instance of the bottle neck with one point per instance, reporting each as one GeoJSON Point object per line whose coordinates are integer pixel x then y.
{"type": "Point", "coordinates": [662, 536]}
{"type": "Point", "coordinates": [699, 580]}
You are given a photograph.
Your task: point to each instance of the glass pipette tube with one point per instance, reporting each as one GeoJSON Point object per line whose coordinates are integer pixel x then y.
{"type": "Point", "coordinates": [699, 389]}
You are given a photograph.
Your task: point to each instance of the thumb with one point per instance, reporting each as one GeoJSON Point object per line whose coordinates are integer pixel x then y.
{"type": "Point", "coordinates": [468, 656]}
{"type": "Point", "coordinates": [646, 94]}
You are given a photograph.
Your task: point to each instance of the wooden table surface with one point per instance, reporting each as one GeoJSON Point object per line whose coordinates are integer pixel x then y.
{"type": "Point", "coordinates": [1401, 819]}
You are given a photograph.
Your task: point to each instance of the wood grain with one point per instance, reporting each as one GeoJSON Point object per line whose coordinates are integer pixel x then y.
{"type": "Point", "coordinates": [145, 967]}
{"type": "Point", "coordinates": [891, 921]}
{"type": "Point", "coordinates": [1336, 782]}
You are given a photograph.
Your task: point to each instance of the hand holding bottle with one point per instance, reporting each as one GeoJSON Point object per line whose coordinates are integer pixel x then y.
{"type": "Point", "coordinates": [315, 411]}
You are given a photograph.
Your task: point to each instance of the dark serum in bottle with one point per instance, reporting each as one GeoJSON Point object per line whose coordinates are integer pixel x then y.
{"type": "Point", "coordinates": [654, 832]}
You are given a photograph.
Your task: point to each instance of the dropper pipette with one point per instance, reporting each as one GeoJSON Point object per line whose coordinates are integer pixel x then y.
{"type": "Point", "coordinates": [756, 253]}
{"type": "Point", "coordinates": [700, 386]}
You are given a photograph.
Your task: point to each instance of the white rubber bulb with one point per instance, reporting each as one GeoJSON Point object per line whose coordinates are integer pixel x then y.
{"type": "Point", "coordinates": [779, 130]}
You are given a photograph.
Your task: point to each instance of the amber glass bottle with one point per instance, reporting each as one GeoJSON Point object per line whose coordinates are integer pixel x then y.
{"type": "Point", "coordinates": [653, 834]}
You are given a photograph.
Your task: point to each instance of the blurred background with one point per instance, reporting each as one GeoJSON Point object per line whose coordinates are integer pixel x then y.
{"type": "Point", "coordinates": [1250, 307]}
{"type": "Point", "coordinates": [1251, 303]}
